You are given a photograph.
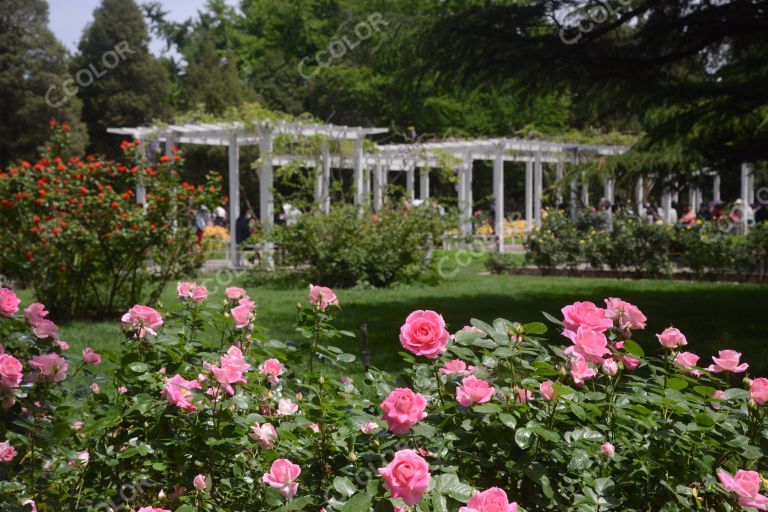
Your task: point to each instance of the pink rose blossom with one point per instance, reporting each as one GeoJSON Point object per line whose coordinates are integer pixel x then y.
{"type": "Point", "coordinates": [35, 312]}
{"type": "Point", "coordinates": [591, 344]}
{"type": "Point", "coordinates": [153, 509]}
{"type": "Point", "coordinates": [272, 369]}
{"type": "Point", "coordinates": [610, 367]}
{"type": "Point", "coordinates": [122, 390]}
{"type": "Point", "coordinates": [199, 293]}
{"type": "Point", "coordinates": [474, 391]}
{"type": "Point", "coordinates": [95, 387]}
{"type": "Point", "coordinates": [143, 318]}
{"type": "Point", "coordinates": [265, 434]}
{"type": "Point", "coordinates": [242, 315]}
{"type": "Point", "coordinates": [625, 316]}
{"type": "Point", "coordinates": [758, 390]}
{"type": "Point", "coordinates": [48, 368]}
{"type": "Point", "coordinates": [10, 371]}
{"type": "Point", "coordinates": [321, 297]}
{"type": "Point", "coordinates": [91, 357]}
{"type": "Point", "coordinates": [314, 427]}
{"type": "Point", "coordinates": [585, 314]}
{"type": "Point", "coordinates": [687, 360]}
{"type": "Point", "coordinates": [630, 363]}
{"type": "Point", "coordinates": [608, 450]}
{"type": "Point", "coordinates": [424, 334]}
{"type": "Point", "coordinates": [7, 452]}
{"type": "Point", "coordinates": [184, 290]}
{"type": "Point", "coordinates": [727, 362]}
{"type": "Point", "coordinates": [234, 293]}
{"type": "Point", "coordinates": [406, 477]}
{"type": "Point", "coordinates": [580, 370]}
{"type": "Point", "coordinates": [63, 345]}
{"type": "Point", "coordinates": [718, 395]}
{"type": "Point", "coordinates": [45, 328]}
{"type": "Point", "coordinates": [369, 428]}
{"type": "Point", "coordinates": [403, 409]}
{"type": "Point", "coordinates": [547, 391]}
{"type": "Point", "coordinates": [454, 367]}
{"type": "Point", "coordinates": [200, 483]}
{"type": "Point", "coordinates": [346, 380]}
{"type": "Point", "coordinates": [523, 395]}
{"type": "Point", "coordinates": [77, 426]}
{"type": "Point", "coordinates": [490, 500]}
{"type": "Point", "coordinates": [178, 391]}
{"type": "Point", "coordinates": [745, 485]}
{"type": "Point", "coordinates": [282, 476]}
{"type": "Point", "coordinates": [672, 338]}
{"type": "Point", "coordinates": [285, 407]}
{"type": "Point", "coordinates": [9, 302]}
{"type": "Point", "coordinates": [81, 459]}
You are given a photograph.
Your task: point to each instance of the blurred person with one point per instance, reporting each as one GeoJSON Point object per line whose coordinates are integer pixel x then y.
{"type": "Point", "coordinates": [202, 219]}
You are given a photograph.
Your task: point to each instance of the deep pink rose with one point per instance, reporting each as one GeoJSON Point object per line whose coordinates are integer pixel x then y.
{"type": "Point", "coordinates": [144, 319]}
{"type": "Point", "coordinates": [48, 368]}
{"type": "Point", "coordinates": [625, 316]}
{"type": "Point", "coordinates": [282, 476]}
{"type": "Point", "coordinates": [424, 334]}
{"type": "Point", "coordinates": [265, 434]}
{"type": "Point", "coordinates": [7, 452]}
{"type": "Point", "coordinates": [745, 485]}
{"type": "Point", "coordinates": [727, 362]}
{"type": "Point", "coordinates": [10, 371]}
{"type": "Point", "coordinates": [234, 293]}
{"type": "Point", "coordinates": [758, 390]}
{"type": "Point", "coordinates": [608, 450]}
{"type": "Point", "coordinates": [403, 409]}
{"type": "Point", "coordinates": [591, 344]}
{"type": "Point", "coordinates": [321, 297]}
{"type": "Point", "coordinates": [585, 314]}
{"type": "Point", "coordinates": [9, 302]}
{"type": "Point", "coordinates": [672, 338]}
{"type": "Point", "coordinates": [491, 500]}
{"type": "Point", "coordinates": [454, 367]}
{"type": "Point", "coordinates": [474, 391]}
{"type": "Point", "coordinates": [547, 391]}
{"type": "Point", "coordinates": [580, 370]}
{"type": "Point", "coordinates": [406, 477]}
{"type": "Point", "coordinates": [271, 369]}
{"type": "Point", "coordinates": [91, 357]}
{"type": "Point", "coordinates": [178, 391]}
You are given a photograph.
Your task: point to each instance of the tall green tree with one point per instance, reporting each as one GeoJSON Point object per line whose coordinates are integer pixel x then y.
{"type": "Point", "coordinates": [121, 82]}
{"type": "Point", "coordinates": [33, 69]}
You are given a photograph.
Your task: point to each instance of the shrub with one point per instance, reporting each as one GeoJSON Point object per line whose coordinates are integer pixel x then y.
{"type": "Point", "coordinates": [73, 231]}
{"type": "Point", "coordinates": [205, 412]}
{"type": "Point", "coordinates": [348, 246]}
{"type": "Point", "coordinates": [502, 263]}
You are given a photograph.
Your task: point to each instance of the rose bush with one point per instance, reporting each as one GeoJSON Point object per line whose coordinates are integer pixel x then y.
{"type": "Point", "coordinates": [206, 412]}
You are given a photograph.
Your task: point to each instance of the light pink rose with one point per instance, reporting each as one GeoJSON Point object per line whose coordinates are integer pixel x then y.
{"type": "Point", "coordinates": [143, 318]}
{"type": "Point", "coordinates": [585, 314]}
{"type": "Point", "coordinates": [45, 328]}
{"type": "Point", "coordinates": [424, 334]}
{"type": "Point", "coordinates": [687, 360]}
{"type": "Point", "coordinates": [346, 380]}
{"type": "Point", "coordinates": [672, 338]}
{"type": "Point", "coordinates": [285, 407]}
{"type": "Point", "coordinates": [178, 391]}
{"type": "Point", "coordinates": [369, 428]}
{"type": "Point", "coordinates": [630, 363]}
{"type": "Point", "coordinates": [314, 427]}
{"type": "Point", "coordinates": [758, 390]}
{"type": "Point", "coordinates": [608, 450]}
{"type": "Point", "coordinates": [35, 312]}
{"type": "Point", "coordinates": [63, 345]}
{"type": "Point", "coordinates": [454, 367]}
{"type": "Point", "coordinates": [727, 362]}
{"type": "Point", "coordinates": [242, 315]}
{"type": "Point", "coordinates": [403, 409]}
{"type": "Point", "coordinates": [10, 371]}
{"type": "Point", "coordinates": [282, 476]}
{"type": "Point", "coordinates": [153, 509]}
{"type": "Point", "coordinates": [200, 483]}
{"type": "Point", "coordinates": [406, 477]}
{"type": "Point", "coordinates": [591, 344]}
{"type": "Point", "coordinates": [265, 434]}
{"type": "Point", "coordinates": [625, 316]}
{"type": "Point", "coordinates": [580, 370]}
{"type": "Point", "coordinates": [473, 391]}
{"type": "Point", "coordinates": [321, 297]}
{"type": "Point", "coordinates": [48, 368]}
{"type": "Point", "coordinates": [271, 369]}
{"type": "Point", "coordinates": [547, 391]}
{"type": "Point", "coordinates": [718, 395]}
{"type": "Point", "coordinates": [199, 293]}
{"type": "Point", "coordinates": [9, 302]}
{"type": "Point", "coordinates": [490, 500]}
{"type": "Point", "coordinates": [184, 290]}
{"type": "Point", "coordinates": [7, 452]}
{"type": "Point", "coordinates": [522, 395]}
{"type": "Point", "coordinates": [610, 367]}
{"type": "Point", "coordinates": [231, 370]}
{"type": "Point", "coordinates": [234, 293]}
{"type": "Point", "coordinates": [95, 387]}
{"type": "Point", "coordinates": [81, 459]}
{"type": "Point", "coordinates": [91, 357]}
{"type": "Point", "coordinates": [122, 390]}
{"type": "Point", "coordinates": [745, 485]}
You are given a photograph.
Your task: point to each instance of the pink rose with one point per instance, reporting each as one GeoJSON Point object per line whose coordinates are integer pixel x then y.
{"type": "Point", "coordinates": [153, 509]}
{"type": "Point", "coordinates": [199, 293]}
{"type": "Point", "coordinates": [178, 391]}
{"type": "Point", "coordinates": [271, 369]}
{"type": "Point", "coordinates": [9, 302]}
{"type": "Point", "coordinates": [122, 390]}
{"type": "Point", "coordinates": [454, 367]}
{"type": "Point", "coordinates": [144, 319]}
{"type": "Point", "coordinates": [282, 476]}
{"type": "Point", "coordinates": [403, 409]}
{"type": "Point", "coordinates": [285, 407]}
{"type": "Point", "coordinates": [630, 363]}
{"type": "Point", "coordinates": [745, 485]}
{"type": "Point", "coordinates": [718, 395]}
{"type": "Point", "coordinates": [369, 428]}
{"type": "Point", "coordinates": [234, 293]}
{"type": "Point", "coordinates": [625, 316]}
{"type": "Point", "coordinates": [687, 360]}
{"type": "Point", "coordinates": [672, 338]}
{"type": "Point", "coordinates": [321, 297]}
{"type": "Point", "coordinates": [591, 344]}
{"type": "Point", "coordinates": [522, 395]}
{"type": "Point", "coordinates": [424, 334]}
{"type": "Point", "coordinates": [585, 314]}
{"type": "Point", "coordinates": [758, 390]}
{"type": "Point", "coordinates": [608, 450]}
{"type": "Point", "coordinates": [91, 357]}
{"type": "Point", "coordinates": [727, 362]}
{"type": "Point", "coordinates": [48, 368]}
{"type": "Point", "coordinates": [35, 312]}
{"type": "Point", "coordinates": [547, 391]}
{"type": "Point", "coordinates": [231, 370]}
{"type": "Point", "coordinates": [474, 391]}
{"type": "Point", "coordinates": [10, 371]}
{"type": "Point", "coordinates": [610, 367]}
{"type": "Point", "coordinates": [406, 477]}
{"type": "Point", "coordinates": [490, 500]}
{"type": "Point", "coordinates": [242, 315]}
{"type": "Point", "coordinates": [81, 459]}
{"type": "Point", "coordinates": [200, 483]}
{"type": "Point", "coordinates": [184, 290]}
{"type": "Point", "coordinates": [95, 387]}
{"type": "Point", "coordinates": [265, 434]}
{"type": "Point", "coordinates": [580, 370]}
{"type": "Point", "coordinates": [44, 328]}
{"type": "Point", "coordinates": [7, 452]}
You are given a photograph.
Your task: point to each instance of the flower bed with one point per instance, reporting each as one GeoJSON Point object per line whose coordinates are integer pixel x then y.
{"type": "Point", "coordinates": [205, 412]}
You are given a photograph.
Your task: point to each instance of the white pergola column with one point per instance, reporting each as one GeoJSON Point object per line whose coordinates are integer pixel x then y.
{"type": "Point", "coordinates": [234, 198]}
{"type": "Point", "coordinates": [266, 180]}
{"type": "Point", "coordinates": [574, 188]}
{"type": "Point", "coordinates": [746, 172]}
{"type": "Point", "coordinates": [424, 183]}
{"type": "Point", "coordinates": [751, 189]}
{"type": "Point", "coordinates": [639, 197]}
{"type": "Point", "coordinates": [538, 178]}
{"type": "Point", "coordinates": [716, 188]}
{"type": "Point", "coordinates": [465, 195]}
{"type": "Point", "coordinates": [609, 190]}
{"type": "Point", "coordinates": [141, 190]}
{"type": "Point", "coordinates": [584, 191]}
{"type": "Point", "coordinates": [528, 195]}
{"type": "Point", "coordinates": [666, 206]}
{"type": "Point", "coordinates": [379, 183]}
{"type": "Point", "coordinates": [325, 176]}
{"type": "Point", "coordinates": [498, 195]}
{"type": "Point", "coordinates": [410, 182]}
{"type": "Point", "coordinates": [357, 168]}
{"type": "Point", "coordinates": [559, 171]}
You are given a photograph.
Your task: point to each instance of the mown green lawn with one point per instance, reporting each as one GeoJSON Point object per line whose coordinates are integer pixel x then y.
{"type": "Point", "coordinates": [714, 316]}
